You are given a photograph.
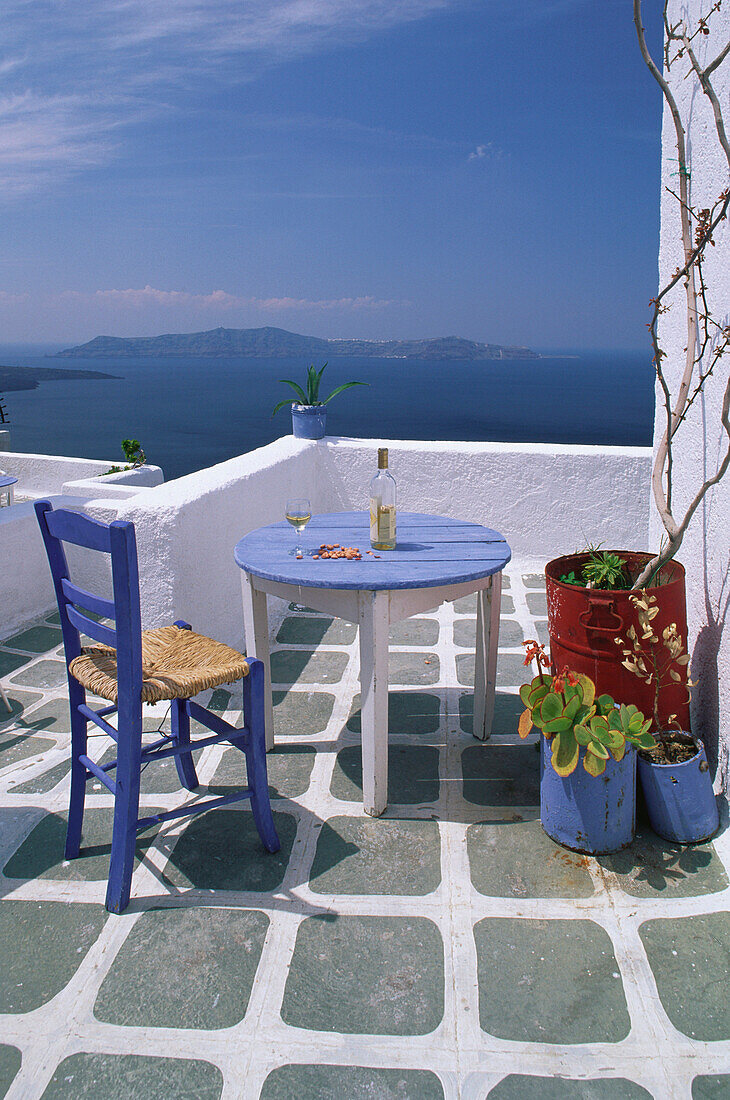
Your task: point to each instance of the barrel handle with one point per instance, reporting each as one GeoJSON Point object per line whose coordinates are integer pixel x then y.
{"type": "Point", "coordinates": [605, 605]}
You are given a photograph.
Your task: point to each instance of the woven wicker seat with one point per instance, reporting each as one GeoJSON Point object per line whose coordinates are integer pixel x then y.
{"type": "Point", "coordinates": [176, 664]}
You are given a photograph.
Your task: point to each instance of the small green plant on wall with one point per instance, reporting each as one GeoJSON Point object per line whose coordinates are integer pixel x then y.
{"type": "Point", "coordinates": [135, 456]}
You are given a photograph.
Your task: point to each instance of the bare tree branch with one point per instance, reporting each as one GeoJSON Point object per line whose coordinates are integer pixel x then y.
{"type": "Point", "coordinates": [699, 322]}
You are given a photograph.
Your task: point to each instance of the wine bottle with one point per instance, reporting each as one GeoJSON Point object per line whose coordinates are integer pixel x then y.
{"type": "Point", "coordinates": [382, 505]}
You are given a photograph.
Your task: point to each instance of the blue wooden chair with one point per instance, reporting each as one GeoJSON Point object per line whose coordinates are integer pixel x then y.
{"type": "Point", "coordinates": [132, 666]}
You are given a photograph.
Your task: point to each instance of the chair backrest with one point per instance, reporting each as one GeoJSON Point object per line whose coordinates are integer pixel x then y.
{"type": "Point", "coordinates": [118, 540]}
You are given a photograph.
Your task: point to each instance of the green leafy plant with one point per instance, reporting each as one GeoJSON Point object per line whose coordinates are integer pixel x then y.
{"type": "Point", "coordinates": [135, 456]}
{"type": "Point", "coordinates": [569, 715]}
{"type": "Point", "coordinates": [651, 659]}
{"type": "Point", "coordinates": [605, 570]}
{"type": "Point", "coordinates": [310, 394]}
{"type": "Point", "coordinates": [602, 570]}
{"type": "Point", "coordinates": [133, 452]}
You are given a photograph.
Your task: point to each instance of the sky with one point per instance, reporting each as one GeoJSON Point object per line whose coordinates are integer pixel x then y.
{"type": "Point", "coordinates": [341, 168]}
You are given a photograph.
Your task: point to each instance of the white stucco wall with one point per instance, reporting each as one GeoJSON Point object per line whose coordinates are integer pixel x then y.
{"type": "Point", "coordinates": [186, 531]}
{"type": "Point", "coordinates": [44, 475]}
{"type": "Point", "coordinates": [546, 500]}
{"type": "Point", "coordinates": [706, 548]}
{"type": "Point", "coordinates": [26, 590]}
{"type": "Point", "coordinates": [125, 483]}
{"type": "Point", "coordinates": [25, 581]}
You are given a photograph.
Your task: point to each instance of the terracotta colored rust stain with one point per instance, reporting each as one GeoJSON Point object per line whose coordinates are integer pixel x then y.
{"type": "Point", "coordinates": [578, 859]}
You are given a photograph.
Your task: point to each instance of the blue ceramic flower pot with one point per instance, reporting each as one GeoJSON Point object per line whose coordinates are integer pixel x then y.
{"type": "Point", "coordinates": [679, 798]}
{"type": "Point", "coordinates": [309, 421]}
{"type": "Point", "coordinates": [594, 814]}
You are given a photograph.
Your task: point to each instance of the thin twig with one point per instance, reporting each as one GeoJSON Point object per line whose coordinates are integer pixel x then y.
{"type": "Point", "coordinates": [699, 322]}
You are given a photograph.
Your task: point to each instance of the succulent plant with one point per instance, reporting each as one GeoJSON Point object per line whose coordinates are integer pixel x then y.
{"type": "Point", "coordinates": [566, 710]}
{"type": "Point", "coordinates": [602, 569]}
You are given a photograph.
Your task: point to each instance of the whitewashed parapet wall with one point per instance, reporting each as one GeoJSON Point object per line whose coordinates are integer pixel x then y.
{"type": "Point", "coordinates": [26, 590]}
{"type": "Point", "coordinates": [45, 475]}
{"type": "Point", "coordinates": [706, 548]}
{"type": "Point", "coordinates": [547, 500]}
{"type": "Point", "coordinates": [187, 529]}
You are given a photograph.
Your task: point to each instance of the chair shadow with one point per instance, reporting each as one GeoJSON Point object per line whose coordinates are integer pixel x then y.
{"type": "Point", "coordinates": [41, 853]}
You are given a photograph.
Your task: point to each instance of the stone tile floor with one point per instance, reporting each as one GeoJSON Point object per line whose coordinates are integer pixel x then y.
{"type": "Point", "coordinates": [448, 949]}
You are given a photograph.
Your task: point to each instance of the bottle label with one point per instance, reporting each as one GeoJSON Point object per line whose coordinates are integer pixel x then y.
{"type": "Point", "coordinates": [374, 510]}
{"type": "Point", "coordinates": [386, 523]}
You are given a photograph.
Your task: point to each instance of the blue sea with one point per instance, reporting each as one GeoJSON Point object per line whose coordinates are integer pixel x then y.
{"type": "Point", "coordinates": [189, 413]}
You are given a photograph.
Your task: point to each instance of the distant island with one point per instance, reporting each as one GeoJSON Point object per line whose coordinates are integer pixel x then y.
{"type": "Point", "coordinates": [277, 343]}
{"type": "Point", "coordinates": [13, 379]}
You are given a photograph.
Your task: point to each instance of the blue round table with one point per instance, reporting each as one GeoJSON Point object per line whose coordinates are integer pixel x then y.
{"type": "Point", "coordinates": [436, 559]}
{"type": "Point", "coordinates": [6, 486]}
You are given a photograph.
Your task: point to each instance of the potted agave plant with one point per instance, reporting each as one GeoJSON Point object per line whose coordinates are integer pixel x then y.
{"type": "Point", "coordinates": [674, 773]}
{"type": "Point", "coordinates": [588, 763]}
{"type": "Point", "coordinates": [309, 414]}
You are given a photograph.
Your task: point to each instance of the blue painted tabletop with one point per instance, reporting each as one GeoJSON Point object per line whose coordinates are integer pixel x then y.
{"type": "Point", "coordinates": [430, 551]}
{"type": "Point", "coordinates": [6, 480]}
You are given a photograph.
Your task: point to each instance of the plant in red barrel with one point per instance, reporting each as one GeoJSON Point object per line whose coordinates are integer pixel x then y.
{"type": "Point", "coordinates": [587, 593]}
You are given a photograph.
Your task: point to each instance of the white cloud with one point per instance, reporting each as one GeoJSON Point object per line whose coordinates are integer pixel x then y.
{"type": "Point", "coordinates": [205, 29]}
{"type": "Point", "coordinates": [485, 152]}
{"type": "Point", "coordinates": [132, 298]}
{"type": "Point", "coordinates": [73, 316]}
{"type": "Point", "coordinates": [44, 137]}
{"type": "Point", "coordinates": [61, 61]}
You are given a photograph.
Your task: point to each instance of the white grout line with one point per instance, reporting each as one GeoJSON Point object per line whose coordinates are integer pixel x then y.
{"type": "Point", "coordinates": [467, 1060]}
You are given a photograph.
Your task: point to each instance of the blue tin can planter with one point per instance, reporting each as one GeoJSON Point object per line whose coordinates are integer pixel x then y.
{"type": "Point", "coordinates": [309, 421]}
{"type": "Point", "coordinates": [593, 814]}
{"type": "Point", "coordinates": [679, 798]}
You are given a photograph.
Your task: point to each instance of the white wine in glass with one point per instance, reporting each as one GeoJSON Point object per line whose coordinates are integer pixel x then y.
{"type": "Point", "coordinates": [298, 513]}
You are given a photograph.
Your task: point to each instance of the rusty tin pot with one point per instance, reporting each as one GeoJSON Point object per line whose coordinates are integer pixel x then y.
{"type": "Point", "coordinates": [583, 624]}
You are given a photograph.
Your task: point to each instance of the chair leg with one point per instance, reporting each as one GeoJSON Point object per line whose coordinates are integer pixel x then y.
{"type": "Point", "coordinates": [5, 699]}
{"type": "Point", "coordinates": [255, 752]}
{"type": "Point", "coordinates": [180, 726]}
{"type": "Point", "coordinates": [76, 695]}
{"type": "Point", "coordinates": [126, 810]}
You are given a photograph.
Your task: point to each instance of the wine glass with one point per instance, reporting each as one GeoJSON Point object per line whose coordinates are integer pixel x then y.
{"type": "Point", "coordinates": [298, 513]}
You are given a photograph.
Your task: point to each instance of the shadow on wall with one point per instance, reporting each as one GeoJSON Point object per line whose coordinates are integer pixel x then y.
{"type": "Point", "coordinates": [705, 672]}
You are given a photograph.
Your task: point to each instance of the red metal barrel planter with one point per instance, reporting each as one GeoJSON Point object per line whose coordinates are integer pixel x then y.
{"type": "Point", "coordinates": [583, 624]}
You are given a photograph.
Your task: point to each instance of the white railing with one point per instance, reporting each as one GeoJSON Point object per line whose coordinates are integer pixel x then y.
{"type": "Point", "coordinates": [545, 499]}
{"type": "Point", "coordinates": [26, 590]}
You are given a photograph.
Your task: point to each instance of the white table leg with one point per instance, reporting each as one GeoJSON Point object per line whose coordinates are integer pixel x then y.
{"type": "Point", "coordinates": [374, 623]}
{"type": "Point", "coordinates": [256, 628]}
{"type": "Point", "coordinates": [485, 670]}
